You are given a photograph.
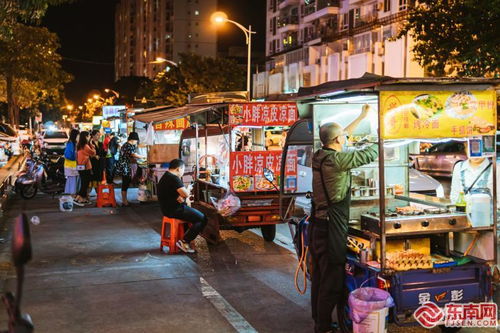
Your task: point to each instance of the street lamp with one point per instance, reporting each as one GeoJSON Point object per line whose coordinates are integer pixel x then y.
{"type": "Point", "coordinates": [112, 91]}
{"type": "Point", "coordinates": [69, 107]}
{"type": "Point", "coordinates": [219, 18]}
{"type": "Point", "coordinates": [90, 100]}
{"type": "Point", "coordinates": [160, 60]}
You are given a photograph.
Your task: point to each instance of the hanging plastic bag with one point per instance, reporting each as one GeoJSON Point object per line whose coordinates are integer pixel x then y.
{"type": "Point", "coordinates": [228, 205]}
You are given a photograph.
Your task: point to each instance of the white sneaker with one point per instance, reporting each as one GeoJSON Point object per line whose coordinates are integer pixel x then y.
{"type": "Point", "coordinates": [183, 246]}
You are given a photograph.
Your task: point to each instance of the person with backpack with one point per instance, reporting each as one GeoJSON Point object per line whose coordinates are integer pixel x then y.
{"type": "Point", "coordinates": [70, 171]}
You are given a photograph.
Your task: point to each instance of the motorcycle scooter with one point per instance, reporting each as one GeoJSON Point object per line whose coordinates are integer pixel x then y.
{"type": "Point", "coordinates": [44, 173]}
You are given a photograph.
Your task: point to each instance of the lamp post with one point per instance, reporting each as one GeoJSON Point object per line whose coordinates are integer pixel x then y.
{"type": "Point", "coordinates": [113, 92]}
{"type": "Point", "coordinates": [221, 18]}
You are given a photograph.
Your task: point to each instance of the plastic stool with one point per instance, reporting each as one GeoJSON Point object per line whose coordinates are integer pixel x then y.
{"type": "Point", "coordinates": [176, 233]}
{"type": "Point", "coordinates": [106, 195]}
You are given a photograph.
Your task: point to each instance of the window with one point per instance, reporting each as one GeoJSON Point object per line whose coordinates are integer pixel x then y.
{"type": "Point", "coordinates": [345, 21]}
{"type": "Point", "coordinates": [357, 13]}
{"type": "Point", "coordinates": [403, 4]}
{"type": "Point", "coordinates": [387, 6]}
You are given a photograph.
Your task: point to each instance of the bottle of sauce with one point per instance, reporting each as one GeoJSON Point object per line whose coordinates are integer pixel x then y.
{"type": "Point", "coordinates": [461, 204]}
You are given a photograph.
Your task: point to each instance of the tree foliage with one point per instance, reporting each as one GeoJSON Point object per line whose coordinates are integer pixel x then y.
{"type": "Point", "coordinates": [197, 74]}
{"type": "Point", "coordinates": [458, 37]}
{"type": "Point", "coordinates": [30, 69]}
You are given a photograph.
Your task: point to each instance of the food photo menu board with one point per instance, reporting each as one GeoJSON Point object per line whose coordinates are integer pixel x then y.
{"type": "Point", "coordinates": [437, 114]}
{"type": "Point", "coordinates": [247, 170]}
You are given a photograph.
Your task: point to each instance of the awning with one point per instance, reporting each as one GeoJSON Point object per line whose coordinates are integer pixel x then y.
{"type": "Point", "coordinates": [165, 113]}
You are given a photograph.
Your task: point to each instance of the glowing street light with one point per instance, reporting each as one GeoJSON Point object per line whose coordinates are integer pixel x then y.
{"type": "Point", "coordinates": [96, 97]}
{"type": "Point", "coordinates": [69, 107]}
{"type": "Point", "coordinates": [90, 100]}
{"type": "Point", "coordinates": [219, 18]}
{"type": "Point", "coordinates": [160, 60]}
{"type": "Point", "coordinates": [112, 91]}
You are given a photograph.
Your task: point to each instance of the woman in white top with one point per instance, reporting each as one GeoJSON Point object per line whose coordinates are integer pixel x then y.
{"type": "Point", "coordinates": [473, 173]}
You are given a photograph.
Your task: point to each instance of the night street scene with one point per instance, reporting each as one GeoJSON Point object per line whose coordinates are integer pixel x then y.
{"type": "Point", "coordinates": [271, 166]}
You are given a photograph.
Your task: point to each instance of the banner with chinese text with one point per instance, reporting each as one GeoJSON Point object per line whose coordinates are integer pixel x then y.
{"type": "Point", "coordinates": [177, 124]}
{"type": "Point", "coordinates": [247, 170]}
{"type": "Point", "coordinates": [437, 114]}
{"type": "Point", "coordinates": [262, 114]}
{"type": "Point", "coordinates": [291, 171]}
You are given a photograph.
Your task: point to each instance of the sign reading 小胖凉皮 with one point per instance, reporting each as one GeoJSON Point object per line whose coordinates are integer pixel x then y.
{"type": "Point", "coordinates": [177, 124]}
{"type": "Point", "coordinates": [262, 114]}
{"type": "Point", "coordinates": [247, 170]}
{"type": "Point", "coordinates": [437, 114]}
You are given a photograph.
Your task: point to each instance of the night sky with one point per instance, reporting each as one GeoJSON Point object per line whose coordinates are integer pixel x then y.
{"type": "Point", "coordinates": [86, 33]}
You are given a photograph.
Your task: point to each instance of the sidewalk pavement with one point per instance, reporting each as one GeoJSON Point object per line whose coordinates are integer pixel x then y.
{"type": "Point", "coordinates": [100, 270]}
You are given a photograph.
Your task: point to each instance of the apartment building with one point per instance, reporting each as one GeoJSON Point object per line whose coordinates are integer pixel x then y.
{"type": "Point", "coordinates": [150, 29]}
{"type": "Point", "coordinates": [310, 42]}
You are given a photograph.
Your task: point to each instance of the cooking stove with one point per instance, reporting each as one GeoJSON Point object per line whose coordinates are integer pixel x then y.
{"type": "Point", "coordinates": [433, 220]}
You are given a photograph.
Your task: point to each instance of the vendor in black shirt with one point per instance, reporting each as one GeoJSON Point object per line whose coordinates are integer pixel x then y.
{"type": "Point", "coordinates": [172, 195]}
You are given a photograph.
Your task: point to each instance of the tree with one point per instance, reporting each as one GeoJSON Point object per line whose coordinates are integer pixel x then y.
{"type": "Point", "coordinates": [197, 74]}
{"type": "Point", "coordinates": [30, 69]}
{"type": "Point", "coordinates": [458, 37]}
{"type": "Point", "coordinates": [28, 11]}
{"type": "Point", "coordinates": [131, 87]}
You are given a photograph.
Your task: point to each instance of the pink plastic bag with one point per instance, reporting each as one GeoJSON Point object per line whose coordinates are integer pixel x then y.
{"type": "Point", "coordinates": [362, 301]}
{"type": "Point", "coordinates": [228, 204]}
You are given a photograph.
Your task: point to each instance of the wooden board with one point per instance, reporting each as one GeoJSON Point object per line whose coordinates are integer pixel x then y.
{"type": "Point", "coordinates": [163, 153]}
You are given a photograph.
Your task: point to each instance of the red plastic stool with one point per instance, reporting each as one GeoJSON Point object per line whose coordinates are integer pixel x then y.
{"type": "Point", "coordinates": [106, 195]}
{"type": "Point", "coordinates": [176, 233]}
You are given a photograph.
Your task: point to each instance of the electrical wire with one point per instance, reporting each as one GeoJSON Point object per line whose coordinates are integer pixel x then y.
{"type": "Point", "coordinates": [302, 266]}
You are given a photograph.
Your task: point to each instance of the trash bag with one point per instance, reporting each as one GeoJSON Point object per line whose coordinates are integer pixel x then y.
{"type": "Point", "coordinates": [228, 205]}
{"type": "Point", "coordinates": [362, 301]}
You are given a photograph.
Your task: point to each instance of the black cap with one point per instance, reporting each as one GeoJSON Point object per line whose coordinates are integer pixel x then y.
{"type": "Point", "coordinates": [133, 136]}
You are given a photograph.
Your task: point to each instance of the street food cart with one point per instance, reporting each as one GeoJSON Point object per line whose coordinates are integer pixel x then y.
{"type": "Point", "coordinates": [420, 248]}
{"type": "Point", "coordinates": [226, 151]}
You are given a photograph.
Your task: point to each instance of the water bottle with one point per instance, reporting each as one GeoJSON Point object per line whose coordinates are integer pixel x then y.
{"type": "Point", "coordinates": [480, 208]}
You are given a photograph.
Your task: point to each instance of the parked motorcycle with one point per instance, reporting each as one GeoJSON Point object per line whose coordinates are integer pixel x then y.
{"type": "Point", "coordinates": [44, 173]}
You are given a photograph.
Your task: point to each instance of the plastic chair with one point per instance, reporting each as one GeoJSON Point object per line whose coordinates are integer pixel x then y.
{"type": "Point", "coordinates": [106, 195]}
{"type": "Point", "coordinates": [176, 233]}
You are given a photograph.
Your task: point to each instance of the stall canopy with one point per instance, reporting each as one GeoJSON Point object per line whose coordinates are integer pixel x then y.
{"type": "Point", "coordinates": [166, 113]}
{"type": "Point", "coordinates": [369, 80]}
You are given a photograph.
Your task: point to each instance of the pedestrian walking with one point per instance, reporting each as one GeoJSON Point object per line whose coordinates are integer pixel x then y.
{"type": "Point", "coordinates": [111, 148]}
{"type": "Point", "coordinates": [98, 161]}
{"type": "Point", "coordinates": [330, 217]}
{"type": "Point", "coordinates": [72, 176]}
{"type": "Point", "coordinates": [173, 198]}
{"type": "Point", "coordinates": [84, 152]}
{"type": "Point", "coordinates": [128, 156]}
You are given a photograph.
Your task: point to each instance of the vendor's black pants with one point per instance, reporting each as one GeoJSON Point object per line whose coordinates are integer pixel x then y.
{"type": "Point", "coordinates": [327, 278]}
{"type": "Point", "coordinates": [197, 219]}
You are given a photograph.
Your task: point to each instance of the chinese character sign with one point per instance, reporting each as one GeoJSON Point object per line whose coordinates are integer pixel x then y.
{"type": "Point", "coordinates": [435, 114]}
{"type": "Point", "coordinates": [291, 171]}
{"type": "Point", "coordinates": [247, 170]}
{"type": "Point", "coordinates": [262, 114]}
{"type": "Point", "coordinates": [176, 124]}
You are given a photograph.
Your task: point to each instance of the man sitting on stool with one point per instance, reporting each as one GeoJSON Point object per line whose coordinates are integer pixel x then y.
{"type": "Point", "coordinates": [172, 195]}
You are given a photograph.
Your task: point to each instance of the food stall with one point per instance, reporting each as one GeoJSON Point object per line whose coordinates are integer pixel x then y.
{"type": "Point", "coordinates": [159, 142]}
{"type": "Point", "coordinates": [419, 248]}
{"type": "Point", "coordinates": [226, 151]}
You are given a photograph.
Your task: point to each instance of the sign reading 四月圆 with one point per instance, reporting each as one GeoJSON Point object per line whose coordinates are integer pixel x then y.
{"type": "Point", "coordinates": [437, 114]}
{"type": "Point", "coordinates": [262, 114]}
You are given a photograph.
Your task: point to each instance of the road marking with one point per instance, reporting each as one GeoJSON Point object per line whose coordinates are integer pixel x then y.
{"type": "Point", "coordinates": [226, 310]}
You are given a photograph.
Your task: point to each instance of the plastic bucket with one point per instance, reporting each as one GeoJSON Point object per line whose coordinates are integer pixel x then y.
{"type": "Point", "coordinates": [66, 203]}
{"type": "Point", "coordinates": [369, 309]}
{"type": "Point", "coordinates": [375, 322]}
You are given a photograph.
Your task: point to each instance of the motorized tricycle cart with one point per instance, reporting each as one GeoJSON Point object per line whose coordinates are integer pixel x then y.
{"type": "Point", "coordinates": [420, 248]}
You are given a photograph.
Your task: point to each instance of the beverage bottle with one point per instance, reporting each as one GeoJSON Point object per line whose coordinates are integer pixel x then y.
{"type": "Point", "coordinates": [461, 204]}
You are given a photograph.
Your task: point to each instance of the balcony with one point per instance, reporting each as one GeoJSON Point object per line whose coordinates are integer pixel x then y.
{"type": "Point", "coordinates": [282, 4]}
{"type": "Point", "coordinates": [321, 8]}
{"type": "Point", "coordinates": [324, 33]}
{"type": "Point", "coordinates": [365, 19]}
{"type": "Point", "coordinates": [288, 23]}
